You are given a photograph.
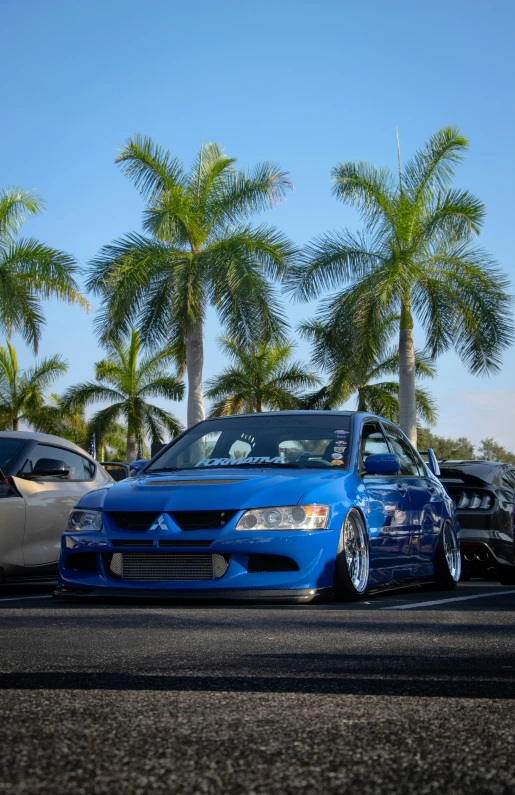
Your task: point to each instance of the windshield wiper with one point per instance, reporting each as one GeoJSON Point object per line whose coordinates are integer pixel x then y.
{"type": "Point", "coordinates": [164, 469]}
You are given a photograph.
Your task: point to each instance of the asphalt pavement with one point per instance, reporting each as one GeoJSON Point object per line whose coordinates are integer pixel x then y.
{"type": "Point", "coordinates": [408, 692]}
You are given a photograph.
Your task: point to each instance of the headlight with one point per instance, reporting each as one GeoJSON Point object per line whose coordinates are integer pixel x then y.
{"type": "Point", "coordinates": [82, 521]}
{"type": "Point", "coordinates": [285, 517]}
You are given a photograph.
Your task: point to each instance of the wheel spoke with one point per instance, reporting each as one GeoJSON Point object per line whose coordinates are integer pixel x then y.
{"type": "Point", "coordinates": [356, 553]}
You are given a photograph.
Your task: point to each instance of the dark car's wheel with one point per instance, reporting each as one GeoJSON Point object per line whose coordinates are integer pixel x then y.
{"type": "Point", "coordinates": [352, 565]}
{"type": "Point", "coordinates": [447, 559]}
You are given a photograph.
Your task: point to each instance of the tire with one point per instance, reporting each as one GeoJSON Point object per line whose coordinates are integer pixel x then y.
{"type": "Point", "coordinates": [352, 566]}
{"type": "Point", "coordinates": [447, 559]}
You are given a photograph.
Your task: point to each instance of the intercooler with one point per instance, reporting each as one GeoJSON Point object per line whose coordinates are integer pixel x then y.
{"type": "Point", "coordinates": [167, 567]}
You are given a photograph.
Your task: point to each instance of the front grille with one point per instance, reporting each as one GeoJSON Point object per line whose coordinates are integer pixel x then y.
{"type": "Point", "coordinates": [185, 543]}
{"type": "Point", "coordinates": [135, 520]}
{"type": "Point", "coordinates": [202, 520]}
{"type": "Point", "coordinates": [129, 542]}
{"type": "Point", "coordinates": [165, 567]}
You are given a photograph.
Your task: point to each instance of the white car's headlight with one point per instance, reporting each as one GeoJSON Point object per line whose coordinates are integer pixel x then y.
{"type": "Point", "coordinates": [285, 517]}
{"type": "Point", "coordinates": [84, 520]}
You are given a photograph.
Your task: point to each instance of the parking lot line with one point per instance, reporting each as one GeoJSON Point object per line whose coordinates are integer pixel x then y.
{"type": "Point", "coordinates": [447, 601]}
{"type": "Point", "coordinates": [19, 598]}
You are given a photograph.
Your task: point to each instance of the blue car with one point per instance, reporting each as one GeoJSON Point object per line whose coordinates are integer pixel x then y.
{"type": "Point", "coordinates": [278, 506]}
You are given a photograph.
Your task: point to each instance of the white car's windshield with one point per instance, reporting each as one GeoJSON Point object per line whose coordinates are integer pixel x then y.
{"type": "Point", "coordinates": [307, 441]}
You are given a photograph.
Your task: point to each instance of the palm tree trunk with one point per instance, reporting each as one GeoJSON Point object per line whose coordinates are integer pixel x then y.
{"type": "Point", "coordinates": [407, 398]}
{"type": "Point", "coordinates": [194, 366]}
{"type": "Point", "coordinates": [362, 403]}
{"type": "Point", "coordinates": [131, 448]}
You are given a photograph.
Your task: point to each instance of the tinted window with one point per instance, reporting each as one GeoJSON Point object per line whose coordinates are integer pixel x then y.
{"type": "Point", "coordinates": [373, 440]}
{"type": "Point", "coordinates": [410, 464]}
{"type": "Point", "coordinates": [508, 479]}
{"type": "Point", "coordinates": [308, 441]}
{"type": "Point", "coordinates": [9, 448]}
{"type": "Point", "coordinates": [79, 468]}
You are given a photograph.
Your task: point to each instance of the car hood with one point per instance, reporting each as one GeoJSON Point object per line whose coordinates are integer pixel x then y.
{"type": "Point", "coordinates": [216, 490]}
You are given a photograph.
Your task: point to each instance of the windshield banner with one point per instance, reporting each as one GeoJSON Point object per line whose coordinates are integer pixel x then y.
{"type": "Point", "coordinates": [216, 462]}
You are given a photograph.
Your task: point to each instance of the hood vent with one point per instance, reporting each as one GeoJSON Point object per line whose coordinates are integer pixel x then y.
{"type": "Point", "coordinates": [199, 482]}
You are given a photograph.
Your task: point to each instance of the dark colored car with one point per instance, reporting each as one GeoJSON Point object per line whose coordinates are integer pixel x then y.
{"type": "Point", "coordinates": [483, 492]}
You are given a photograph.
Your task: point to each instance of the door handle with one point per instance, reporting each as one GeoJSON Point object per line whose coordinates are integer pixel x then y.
{"type": "Point", "coordinates": [401, 488]}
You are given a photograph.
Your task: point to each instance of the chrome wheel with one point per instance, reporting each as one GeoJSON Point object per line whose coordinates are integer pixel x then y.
{"type": "Point", "coordinates": [355, 549]}
{"type": "Point", "coordinates": [451, 550]}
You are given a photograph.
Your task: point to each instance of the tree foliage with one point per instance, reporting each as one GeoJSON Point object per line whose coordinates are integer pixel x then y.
{"type": "Point", "coordinates": [30, 271]}
{"type": "Point", "coordinates": [260, 377]}
{"type": "Point", "coordinates": [415, 259]}
{"type": "Point", "coordinates": [199, 250]}
{"type": "Point", "coordinates": [490, 450]}
{"type": "Point", "coordinates": [23, 392]}
{"type": "Point", "coordinates": [355, 364]}
{"type": "Point", "coordinates": [126, 381]}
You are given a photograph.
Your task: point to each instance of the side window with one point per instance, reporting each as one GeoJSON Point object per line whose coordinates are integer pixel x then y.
{"type": "Point", "coordinates": [79, 468]}
{"type": "Point", "coordinates": [372, 440]}
{"type": "Point", "coordinates": [409, 462]}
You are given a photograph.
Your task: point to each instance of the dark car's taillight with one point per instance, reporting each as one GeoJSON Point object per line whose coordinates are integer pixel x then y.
{"type": "Point", "coordinates": [470, 500]}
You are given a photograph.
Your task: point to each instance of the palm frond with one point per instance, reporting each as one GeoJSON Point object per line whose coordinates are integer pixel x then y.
{"type": "Point", "coordinates": [330, 261]}
{"type": "Point", "coordinates": [432, 168]}
{"type": "Point", "coordinates": [369, 189]}
{"type": "Point", "coordinates": [245, 193]}
{"type": "Point", "coordinates": [15, 205]}
{"type": "Point", "coordinates": [150, 168]}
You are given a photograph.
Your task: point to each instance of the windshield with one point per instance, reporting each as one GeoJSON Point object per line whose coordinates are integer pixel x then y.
{"type": "Point", "coordinates": [307, 441]}
{"type": "Point", "coordinates": [9, 448]}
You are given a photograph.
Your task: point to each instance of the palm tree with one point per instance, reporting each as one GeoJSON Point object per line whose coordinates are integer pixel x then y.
{"type": "Point", "coordinates": [262, 377]}
{"type": "Point", "coordinates": [354, 363]}
{"type": "Point", "coordinates": [73, 425]}
{"type": "Point", "coordinates": [126, 382]}
{"type": "Point", "coordinates": [416, 259]}
{"type": "Point", "coordinates": [200, 252]}
{"type": "Point", "coordinates": [22, 392]}
{"type": "Point", "coordinates": [29, 270]}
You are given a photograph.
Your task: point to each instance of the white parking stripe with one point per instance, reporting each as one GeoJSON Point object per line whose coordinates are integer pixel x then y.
{"type": "Point", "coordinates": [446, 601]}
{"type": "Point", "coordinates": [19, 598]}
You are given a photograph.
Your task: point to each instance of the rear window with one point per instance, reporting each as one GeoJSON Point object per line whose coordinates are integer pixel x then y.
{"type": "Point", "coordinates": [9, 448]}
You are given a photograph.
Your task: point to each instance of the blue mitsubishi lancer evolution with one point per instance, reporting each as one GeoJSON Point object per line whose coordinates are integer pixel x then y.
{"type": "Point", "coordinates": [278, 506]}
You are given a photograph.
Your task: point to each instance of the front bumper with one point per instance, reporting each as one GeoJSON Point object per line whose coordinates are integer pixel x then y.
{"type": "Point", "coordinates": [288, 596]}
{"type": "Point", "coordinates": [310, 558]}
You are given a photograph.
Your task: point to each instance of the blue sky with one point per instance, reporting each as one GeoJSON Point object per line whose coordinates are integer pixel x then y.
{"type": "Point", "coordinates": [305, 84]}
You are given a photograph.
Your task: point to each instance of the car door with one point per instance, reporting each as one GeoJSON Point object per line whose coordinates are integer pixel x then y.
{"type": "Point", "coordinates": [426, 501]}
{"type": "Point", "coordinates": [12, 526]}
{"type": "Point", "coordinates": [388, 506]}
{"type": "Point", "coordinates": [49, 500]}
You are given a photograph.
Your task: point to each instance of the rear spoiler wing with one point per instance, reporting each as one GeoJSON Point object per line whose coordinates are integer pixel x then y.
{"type": "Point", "coordinates": [431, 460]}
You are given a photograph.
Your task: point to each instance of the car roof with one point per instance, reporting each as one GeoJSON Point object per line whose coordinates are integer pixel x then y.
{"type": "Point", "coordinates": [284, 414]}
{"type": "Point", "coordinates": [47, 438]}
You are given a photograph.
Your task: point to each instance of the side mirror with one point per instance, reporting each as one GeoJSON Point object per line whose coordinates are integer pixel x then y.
{"type": "Point", "coordinates": [382, 464]}
{"type": "Point", "coordinates": [48, 468]}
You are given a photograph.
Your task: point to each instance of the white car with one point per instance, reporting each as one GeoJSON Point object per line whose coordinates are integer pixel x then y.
{"type": "Point", "coordinates": [42, 477]}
